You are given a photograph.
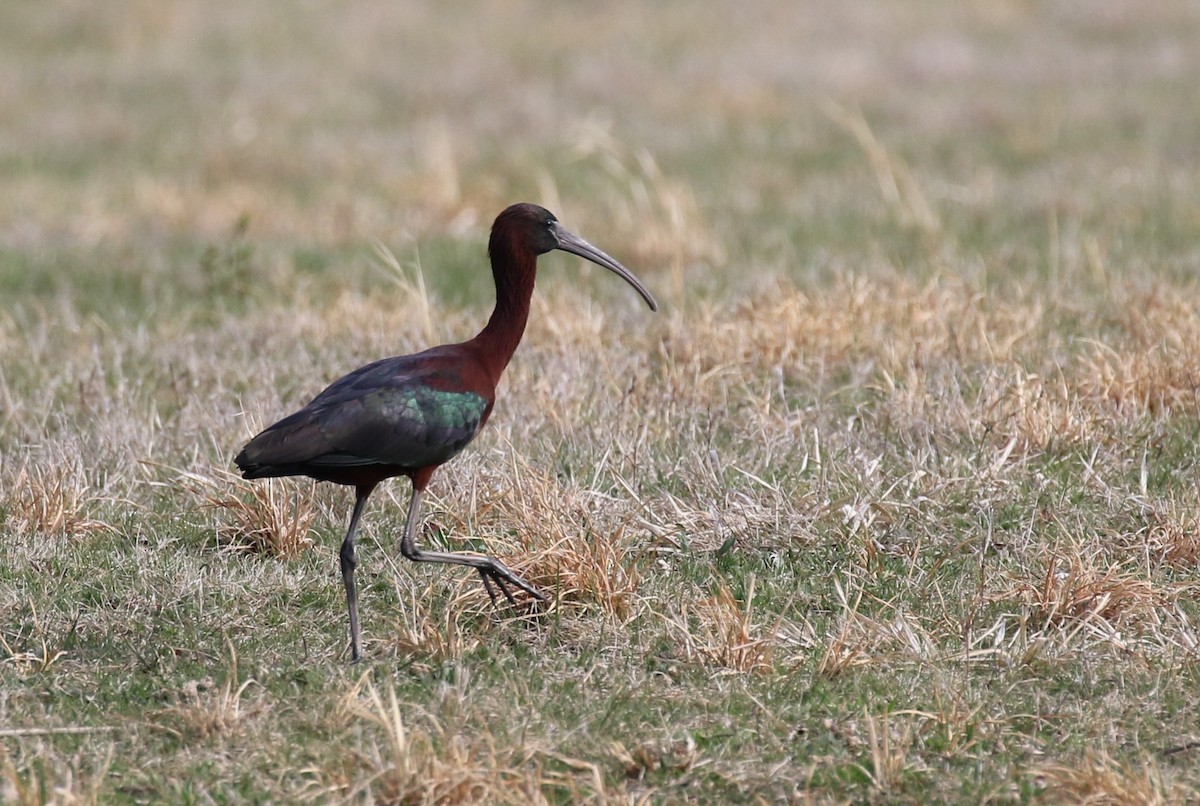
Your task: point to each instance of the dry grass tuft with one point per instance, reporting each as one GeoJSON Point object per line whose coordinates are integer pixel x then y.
{"type": "Point", "coordinates": [1100, 780]}
{"type": "Point", "coordinates": [205, 711]}
{"type": "Point", "coordinates": [888, 740]}
{"type": "Point", "coordinates": [50, 501]}
{"type": "Point", "coordinates": [418, 634]}
{"type": "Point", "coordinates": [266, 516]}
{"type": "Point", "coordinates": [858, 639]}
{"type": "Point", "coordinates": [47, 777]}
{"type": "Point", "coordinates": [649, 757]}
{"type": "Point", "coordinates": [1155, 367]}
{"type": "Point", "coordinates": [721, 631]}
{"type": "Point", "coordinates": [1079, 589]}
{"type": "Point", "coordinates": [1174, 533]}
{"type": "Point", "coordinates": [1036, 410]}
{"type": "Point", "coordinates": [596, 569]}
{"type": "Point", "coordinates": [28, 661]}
{"type": "Point", "coordinates": [1150, 381]}
{"type": "Point", "coordinates": [678, 524]}
{"type": "Point", "coordinates": [439, 764]}
{"type": "Point", "coordinates": [574, 540]}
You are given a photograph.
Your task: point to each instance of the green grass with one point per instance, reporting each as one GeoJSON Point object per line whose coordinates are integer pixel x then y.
{"type": "Point", "coordinates": [894, 501]}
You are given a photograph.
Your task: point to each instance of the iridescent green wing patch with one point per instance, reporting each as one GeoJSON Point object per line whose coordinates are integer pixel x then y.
{"type": "Point", "coordinates": [438, 417]}
{"type": "Point", "coordinates": [412, 426]}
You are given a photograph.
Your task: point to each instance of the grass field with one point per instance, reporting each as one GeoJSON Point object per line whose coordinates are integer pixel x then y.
{"type": "Point", "coordinates": [895, 501]}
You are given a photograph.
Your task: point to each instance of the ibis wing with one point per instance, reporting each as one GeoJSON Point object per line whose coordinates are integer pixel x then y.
{"type": "Point", "coordinates": [412, 425]}
{"type": "Point", "coordinates": [384, 413]}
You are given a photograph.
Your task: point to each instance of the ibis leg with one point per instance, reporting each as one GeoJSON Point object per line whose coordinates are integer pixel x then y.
{"type": "Point", "coordinates": [349, 563]}
{"type": "Point", "coordinates": [490, 570]}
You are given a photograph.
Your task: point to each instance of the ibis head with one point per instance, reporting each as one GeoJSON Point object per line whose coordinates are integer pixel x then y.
{"type": "Point", "coordinates": [536, 228]}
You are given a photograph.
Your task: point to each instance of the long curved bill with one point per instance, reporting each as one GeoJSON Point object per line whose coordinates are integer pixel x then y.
{"type": "Point", "coordinates": [570, 242]}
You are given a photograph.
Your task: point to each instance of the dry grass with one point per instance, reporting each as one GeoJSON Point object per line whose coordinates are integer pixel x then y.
{"type": "Point", "coordinates": [273, 517]}
{"type": "Point", "coordinates": [1174, 533]}
{"type": "Point", "coordinates": [720, 631]}
{"type": "Point", "coordinates": [53, 779]}
{"type": "Point", "coordinates": [1078, 590]}
{"type": "Point", "coordinates": [50, 502]}
{"type": "Point", "coordinates": [204, 711]}
{"type": "Point", "coordinates": [644, 759]}
{"type": "Point", "coordinates": [1100, 780]}
{"type": "Point", "coordinates": [31, 661]}
{"type": "Point", "coordinates": [918, 345]}
{"type": "Point", "coordinates": [852, 643]}
{"type": "Point", "coordinates": [1157, 368]}
{"type": "Point", "coordinates": [424, 760]}
{"type": "Point", "coordinates": [888, 747]}
{"type": "Point", "coordinates": [571, 541]}
{"type": "Point", "coordinates": [434, 637]}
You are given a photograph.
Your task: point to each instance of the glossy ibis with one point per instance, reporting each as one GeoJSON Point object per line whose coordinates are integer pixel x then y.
{"type": "Point", "coordinates": [407, 415]}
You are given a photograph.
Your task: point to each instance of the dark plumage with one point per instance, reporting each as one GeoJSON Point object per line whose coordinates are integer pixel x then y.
{"type": "Point", "coordinates": [406, 416]}
{"type": "Point", "coordinates": [396, 413]}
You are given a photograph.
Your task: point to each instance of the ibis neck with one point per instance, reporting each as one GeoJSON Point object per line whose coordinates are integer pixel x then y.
{"type": "Point", "coordinates": [514, 275]}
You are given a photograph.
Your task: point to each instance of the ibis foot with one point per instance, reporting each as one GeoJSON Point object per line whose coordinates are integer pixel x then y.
{"type": "Point", "coordinates": [497, 573]}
